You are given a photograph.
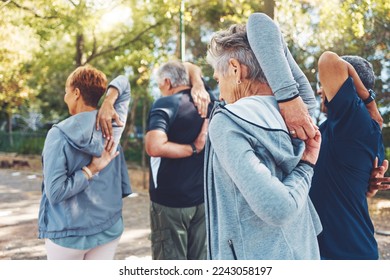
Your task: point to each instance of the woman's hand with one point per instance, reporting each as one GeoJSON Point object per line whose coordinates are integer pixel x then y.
{"type": "Point", "coordinates": [297, 119]}
{"type": "Point", "coordinates": [107, 114]}
{"type": "Point", "coordinates": [98, 163]}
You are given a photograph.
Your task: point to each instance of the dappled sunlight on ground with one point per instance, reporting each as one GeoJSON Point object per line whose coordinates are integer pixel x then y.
{"type": "Point", "coordinates": [380, 214]}
{"type": "Point", "coordinates": [20, 193]}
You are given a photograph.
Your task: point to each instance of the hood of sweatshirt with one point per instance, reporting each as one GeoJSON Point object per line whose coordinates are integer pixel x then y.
{"type": "Point", "coordinates": [80, 132]}
{"type": "Point", "coordinates": [260, 117]}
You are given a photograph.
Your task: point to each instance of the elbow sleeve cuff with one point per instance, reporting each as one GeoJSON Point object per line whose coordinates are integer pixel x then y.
{"type": "Point", "coordinates": [286, 93]}
{"type": "Point", "coordinates": [288, 99]}
{"type": "Point", "coordinates": [121, 83]}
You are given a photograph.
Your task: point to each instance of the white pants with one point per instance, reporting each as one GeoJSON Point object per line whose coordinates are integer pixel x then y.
{"type": "Point", "coordinates": [102, 252]}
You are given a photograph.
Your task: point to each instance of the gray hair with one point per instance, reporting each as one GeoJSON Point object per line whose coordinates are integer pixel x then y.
{"type": "Point", "coordinates": [233, 43]}
{"type": "Point", "coordinates": [175, 72]}
{"type": "Point", "coordinates": [363, 68]}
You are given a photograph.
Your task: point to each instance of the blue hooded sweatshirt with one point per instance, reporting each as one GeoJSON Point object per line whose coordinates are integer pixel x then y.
{"type": "Point", "coordinates": [71, 205]}
{"type": "Point", "coordinates": [256, 188]}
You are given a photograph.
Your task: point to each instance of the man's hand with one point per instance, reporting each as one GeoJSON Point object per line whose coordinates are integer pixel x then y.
{"type": "Point", "coordinates": [377, 179]}
{"type": "Point", "coordinates": [201, 99]}
{"type": "Point", "coordinates": [200, 141]}
{"type": "Point", "coordinates": [297, 119]}
{"type": "Point", "coordinates": [107, 114]}
{"type": "Point", "coordinates": [198, 92]}
{"type": "Point", "coordinates": [312, 148]}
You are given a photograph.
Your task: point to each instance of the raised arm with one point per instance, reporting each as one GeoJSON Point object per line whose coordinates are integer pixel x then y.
{"type": "Point", "coordinates": [114, 109]}
{"type": "Point", "coordinates": [364, 94]}
{"type": "Point", "coordinates": [292, 90]}
{"type": "Point", "coordinates": [333, 71]}
{"type": "Point", "coordinates": [198, 91]}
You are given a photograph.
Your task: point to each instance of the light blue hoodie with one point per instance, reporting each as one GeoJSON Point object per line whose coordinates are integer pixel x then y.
{"type": "Point", "coordinates": [256, 188]}
{"type": "Point", "coordinates": [71, 205]}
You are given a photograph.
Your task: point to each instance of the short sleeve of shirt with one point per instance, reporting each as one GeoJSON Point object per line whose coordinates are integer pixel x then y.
{"type": "Point", "coordinates": [344, 99]}
{"type": "Point", "coordinates": [348, 122]}
{"type": "Point", "coordinates": [163, 112]}
{"type": "Point", "coordinates": [347, 114]}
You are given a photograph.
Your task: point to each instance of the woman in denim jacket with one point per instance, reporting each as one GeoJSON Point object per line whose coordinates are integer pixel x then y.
{"type": "Point", "coordinates": [80, 215]}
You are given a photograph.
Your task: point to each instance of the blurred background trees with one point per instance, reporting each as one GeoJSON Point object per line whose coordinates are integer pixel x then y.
{"type": "Point", "coordinates": [42, 41]}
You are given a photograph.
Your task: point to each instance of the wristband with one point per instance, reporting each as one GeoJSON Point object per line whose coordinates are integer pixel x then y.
{"type": "Point", "coordinates": [308, 163]}
{"type": "Point", "coordinates": [194, 150]}
{"type": "Point", "coordinates": [88, 172]}
{"type": "Point", "coordinates": [370, 98]}
{"type": "Point", "coordinates": [85, 174]}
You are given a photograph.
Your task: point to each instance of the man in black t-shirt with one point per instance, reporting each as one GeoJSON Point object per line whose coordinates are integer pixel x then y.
{"type": "Point", "coordinates": [175, 140]}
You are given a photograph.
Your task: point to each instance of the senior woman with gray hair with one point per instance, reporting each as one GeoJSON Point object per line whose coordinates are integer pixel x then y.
{"type": "Point", "coordinates": [257, 176]}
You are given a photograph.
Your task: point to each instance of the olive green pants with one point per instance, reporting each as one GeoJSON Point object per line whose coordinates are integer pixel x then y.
{"type": "Point", "coordinates": [178, 233]}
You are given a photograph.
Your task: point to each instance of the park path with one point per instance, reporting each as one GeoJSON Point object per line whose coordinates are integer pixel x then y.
{"type": "Point", "coordinates": [19, 204]}
{"type": "Point", "coordinates": [20, 193]}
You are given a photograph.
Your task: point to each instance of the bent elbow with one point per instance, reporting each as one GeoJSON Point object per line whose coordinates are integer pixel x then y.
{"type": "Point", "coordinates": [326, 59]}
{"type": "Point", "coordinates": [152, 150]}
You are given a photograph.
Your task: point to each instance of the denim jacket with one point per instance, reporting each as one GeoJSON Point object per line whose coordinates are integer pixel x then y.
{"type": "Point", "coordinates": [71, 205]}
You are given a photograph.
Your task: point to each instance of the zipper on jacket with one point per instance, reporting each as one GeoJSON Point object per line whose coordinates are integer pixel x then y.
{"type": "Point", "coordinates": [232, 248]}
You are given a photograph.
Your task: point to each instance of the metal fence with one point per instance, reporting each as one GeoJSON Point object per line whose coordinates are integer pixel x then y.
{"type": "Point", "coordinates": [31, 143]}
{"type": "Point", "coordinates": [22, 142]}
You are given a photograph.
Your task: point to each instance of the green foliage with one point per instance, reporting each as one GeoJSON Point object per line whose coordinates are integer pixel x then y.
{"type": "Point", "coordinates": [22, 142]}
{"type": "Point", "coordinates": [42, 41]}
{"type": "Point", "coordinates": [16, 56]}
{"type": "Point", "coordinates": [134, 152]}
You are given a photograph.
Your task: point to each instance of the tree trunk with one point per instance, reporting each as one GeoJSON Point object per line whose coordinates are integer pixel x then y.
{"type": "Point", "coordinates": [11, 139]}
{"type": "Point", "coordinates": [269, 8]}
{"type": "Point", "coordinates": [129, 128]}
{"type": "Point", "coordinates": [143, 161]}
{"type": "Point", "coordinates": [79, 48]}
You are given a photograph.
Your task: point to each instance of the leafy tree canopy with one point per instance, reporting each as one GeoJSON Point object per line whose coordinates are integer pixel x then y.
{"type": "Point", "coordinates": [42, 41]}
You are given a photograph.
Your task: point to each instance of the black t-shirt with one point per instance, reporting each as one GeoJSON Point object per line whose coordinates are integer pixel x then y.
{"type": "Point", "coordinates": [176, 182]}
